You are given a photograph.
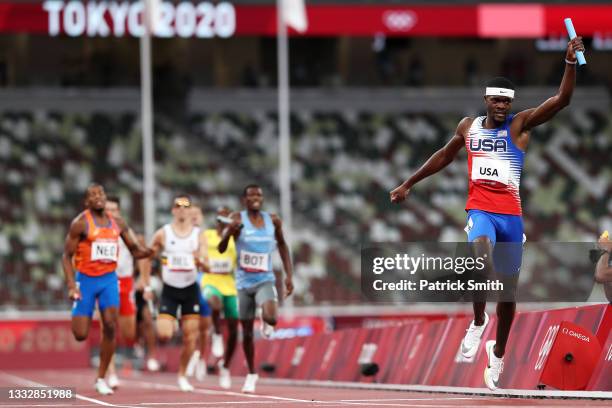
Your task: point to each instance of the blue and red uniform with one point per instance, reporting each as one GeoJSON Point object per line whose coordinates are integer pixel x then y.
{"type": "Point", "coordinates": [494, 208]}
{"type": "Point", "coordinates": [95, 261]}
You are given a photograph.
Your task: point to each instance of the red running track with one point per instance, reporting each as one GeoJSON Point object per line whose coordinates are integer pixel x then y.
{"type": "Point", "coordinates": [159, 390]}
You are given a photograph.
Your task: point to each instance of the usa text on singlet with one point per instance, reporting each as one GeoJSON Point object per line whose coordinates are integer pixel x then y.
{"type": "Point", "coordinates": [494, 169]}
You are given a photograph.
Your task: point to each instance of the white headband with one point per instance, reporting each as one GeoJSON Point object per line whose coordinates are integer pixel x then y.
{"type": "Point", "coordinates": [491, 91]}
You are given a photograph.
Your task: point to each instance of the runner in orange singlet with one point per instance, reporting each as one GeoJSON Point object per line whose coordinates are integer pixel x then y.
{"type": "Point", "coordinates": [92, 249]}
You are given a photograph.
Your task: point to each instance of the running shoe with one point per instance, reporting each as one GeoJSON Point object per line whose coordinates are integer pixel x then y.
{"type": "Point", "coordinates": [495, 366]}
{"type": "Point", "coordinates": [153, 365]}
{"type": "Point", "coordinates": [473, 336]}
{"type": "Point", "coordinates": [184, 385]}
{"type": "Point", "coordinates": [217, 345]}
{"type": "Point", "coordinates": [102, 387]}
{"type": "Point", "coordinates": [113, 381]}
{"type": "Point", "coordinates": [200, 370]}
{"type": "Point", "coordinates": [193, 362]}
{"type": "Point", "coordinates": [225, 379]}
{"type": "Point", "coordinates": [249, 383]}
{"type": "Point", "coordinates": [267, 330]}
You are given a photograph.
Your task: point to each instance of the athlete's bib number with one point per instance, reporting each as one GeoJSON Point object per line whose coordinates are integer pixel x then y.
{"type": "Point", "coordinates": [181, 262]}
{"type": "Point", "coordinates": [104, 251]}
{"type": "Point", "coordinates": [254, 262]}
{"type": "Point", "coordinates": [220, 266]}
{"type": "Point", "coordinates": [491, 169]}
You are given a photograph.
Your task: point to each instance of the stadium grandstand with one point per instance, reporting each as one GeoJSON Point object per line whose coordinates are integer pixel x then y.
{"type": "Point", "coordinates": [375, 89]}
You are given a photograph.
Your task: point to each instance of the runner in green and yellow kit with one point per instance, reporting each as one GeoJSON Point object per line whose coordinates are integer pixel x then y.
{"type": "Point", "coordinates": [219, 289]}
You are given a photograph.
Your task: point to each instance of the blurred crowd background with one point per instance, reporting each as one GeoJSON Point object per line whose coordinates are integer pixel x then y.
{"type": "Point", "coordinates": [366, 112]}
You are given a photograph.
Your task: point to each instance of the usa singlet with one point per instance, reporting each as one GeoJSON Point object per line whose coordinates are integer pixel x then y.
{"type": "Point", "coordinates": [494, 169]}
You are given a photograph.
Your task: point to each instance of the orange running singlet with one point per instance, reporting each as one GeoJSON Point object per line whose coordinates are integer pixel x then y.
{"type": "Point", "coordinates": [97, 254]}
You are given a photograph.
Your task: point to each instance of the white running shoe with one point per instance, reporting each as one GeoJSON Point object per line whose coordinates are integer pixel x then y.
{"type": "Point", "coordinates": [113, 381]}
{"type": "Point", "coordinates": [153, 365]}
{"type": "Point", "coordinates": [225, 379]}
{"type": "Point", "coordinates": [139, 351]}
{"type": "Point", "coordinates": [217, 345]}
{"type": "Point", "coordinates": [473, 336]}
{"type": "Point", "coordinates": [191, 365]}
{"type": "Point", "coordinates": [266, 330]}
{"type": "Point", "coordinates": [102, 387]}
{"type": "Point", "coordinates": [249, 383]}
{"type": "Point", "coordinates": [200, 370]}
{"type": "Point", "coordinates": [184, 385]}
{"type": "Point", "coordinates": [495, 366]}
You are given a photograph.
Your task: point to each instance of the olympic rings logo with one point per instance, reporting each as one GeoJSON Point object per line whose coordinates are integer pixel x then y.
{"type": "Point", "coordinates": [399, 20]}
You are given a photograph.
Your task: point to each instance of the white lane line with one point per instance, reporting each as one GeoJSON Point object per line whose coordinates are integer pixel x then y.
{"type": "Point", "coordinates": [409, 399]}
{"type": "Point", "coordinates": [217, 403]}
{"type": "Point", "coordinates": [41, 405]}
{"type": "Point", "coordinates": [382, 404]}
{"type": "Point", "coordinates": [274, 398]}
{"type": "Point", "coordinates": [271, 398]}
{"type": "Point", "coordinates": [153, 385]}
{"type": "Point", "coordinates": [328, 404]}
{"type": "Point", "coordinates": [507, 393]}
{"type": "Point", "coordinates": [29, 383]}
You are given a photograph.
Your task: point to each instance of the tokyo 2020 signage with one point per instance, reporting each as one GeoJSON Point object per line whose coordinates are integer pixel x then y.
{"type": "Point", "coordinates": [119, 19]}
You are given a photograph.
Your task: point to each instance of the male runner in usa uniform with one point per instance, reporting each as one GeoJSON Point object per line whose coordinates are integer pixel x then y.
{"type": "Point", "coordinates": [496, 145]}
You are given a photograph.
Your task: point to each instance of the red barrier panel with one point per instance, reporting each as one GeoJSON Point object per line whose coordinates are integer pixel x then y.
{"type": "Point", "coordinates": [290, 356]}
{"type": "Point", "coordinates": [432, 343]}
{"type": "Point", "coordinates": [605, 326]}
{"type": "Point", "coordinates": [297, 326]}
{"type": "Point", "coordinates": [398, 362]}
{"type": "Point", "coordinates": [387, 320]}
{"type": "Point", "coordinates": [451, 368]}
{"type": "Point", "coordinates": [320, 352]}
{"type": "Point", "coordinates": [572, 358]}
{"type": "Point", "coordinates": [601, 380]}
{"type": "Point", "coordinates": [40, 344]}
{"type": "Point", "coordinates": [426, 352]}
{"type": "Point", "coordinates": [531, 340]}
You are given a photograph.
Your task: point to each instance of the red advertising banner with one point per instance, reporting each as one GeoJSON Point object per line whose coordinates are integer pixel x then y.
{"type": "Point", "coordinates": [223, 19]}
{"type": "Point", "coordinates": [428, 352]}
{"type": "Point", "coordinates": [601, 380]}
{"type": "Point", "coordinates": [41, 344]}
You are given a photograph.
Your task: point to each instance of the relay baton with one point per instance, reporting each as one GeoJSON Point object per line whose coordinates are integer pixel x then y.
{"type": "Point", "coordinates": [572, 35]}
{"type": "Point", "coordinates": [227, 220]}
{"type": "Point", "coordinates": [224, 220]}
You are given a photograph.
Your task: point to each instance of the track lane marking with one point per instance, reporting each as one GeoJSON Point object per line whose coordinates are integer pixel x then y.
{"type": "Point", "coordinates": [29, 383]}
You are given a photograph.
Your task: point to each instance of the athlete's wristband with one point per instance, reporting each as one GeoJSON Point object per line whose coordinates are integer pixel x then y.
{"type": "Point", "coordinates": [148, 288]}
{"type": "Point", "coordinates": [571, 62]}
{"type": "Point", "coordinates": [596, 254]}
